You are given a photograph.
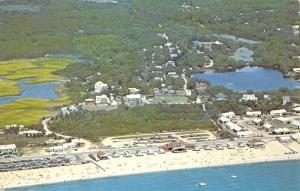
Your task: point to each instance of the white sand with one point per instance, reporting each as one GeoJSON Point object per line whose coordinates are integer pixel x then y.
{"type": "Point", "coordinates": [153, 163]}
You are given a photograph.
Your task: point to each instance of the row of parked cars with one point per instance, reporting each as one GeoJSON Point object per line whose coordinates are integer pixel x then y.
{"type": "Point", "coordinates": [219, 146]}
{"type": "Point", "coordinates": [36, 163]}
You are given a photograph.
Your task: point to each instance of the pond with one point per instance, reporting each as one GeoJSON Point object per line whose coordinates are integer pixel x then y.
{"type": "Point", "coordinates": [249, 78]}
{"type": "Point", "coordinates": [243, 54]}
{"type": "Point", "coordinates": [26, 8]}
{"type": "Point", "coordinates": [39, 91]}
{"type": "Point", "coordinates": [235, 38]}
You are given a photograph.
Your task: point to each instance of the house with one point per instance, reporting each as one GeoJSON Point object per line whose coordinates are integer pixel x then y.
{"type": "Point", "coordinates": [31, 133]}
{"type": "Point", "coordinates": [257, 121]}
{"type": "Point", "coordinates": [133, 100]}
{"type": "Point", "coordinates": [286, 100]}
{"type": "Point", "coordinates": [278, 112]}
{"type": "Point", "coordinates": [229, 115]}
{"type": "Point", "coordinates": [233, 126]}
{"type": "Point", "coordinates": [170, 62]}
{"type": "Point", "coordinates": [220, 97]}
{"type": "Point", "coordinates": [285, 139]}
{"type": "Point", "coordinates": [267, 126]}
{"type": "Point", "coordinates": [201, 85]}
{"type": "Point", "coordinates": [102, 100]}
{"type": "Point", "coordinates": [100, 87]}
{"type": "Point", "coordinates": [282, 119]}
{"type": "Point", "coordinates": [281, 131]}
{"type": "Point", "coordinates": [173, 75]}
{"type": "Point", "coordinates": [249, 97]}
{"type": "Point", "coordinates": [253, 113]}
{"type": "Point", "coordinates": [8, 150]}
{"type": "Point", "coordinates": [158, 78]}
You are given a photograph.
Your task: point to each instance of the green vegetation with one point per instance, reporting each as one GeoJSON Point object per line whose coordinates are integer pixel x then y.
{"type": "Point", "coordinates": [28, 111]}
{"type": "Point", "coordinates": [113, 36]}
{"type": "Point", "coordinates": [124, 121]}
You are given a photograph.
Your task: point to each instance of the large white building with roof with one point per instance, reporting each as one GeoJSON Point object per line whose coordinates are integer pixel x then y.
{"type": "Point", "coordinates": [100, 87]}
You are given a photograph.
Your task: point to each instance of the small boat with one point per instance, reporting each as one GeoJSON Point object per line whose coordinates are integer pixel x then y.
{"type": "Point", "coordinates": [233, 176]}
{"type": "Point", "coordinates": [201, 184]}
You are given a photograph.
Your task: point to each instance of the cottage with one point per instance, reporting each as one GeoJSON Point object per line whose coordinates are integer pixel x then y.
{"type": "Point", "coordinates": [253, 113]}
{"type": "Point", "coordinates": [249, 97]}
{"type": "Point", "coordinates": [102, 100]}
{"type": "Point", "coordinates": [233, 126]}
{"type": "Point", "coordinates": [100, 87]}
{"type": "Point", "coordinates": [278, 112]}
{"type": "Point", "coordinates": [8, 150]}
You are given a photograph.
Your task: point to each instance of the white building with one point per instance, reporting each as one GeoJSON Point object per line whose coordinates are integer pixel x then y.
{"type": "Point", "coordinates": [280, 131]}
{"type": "Point", "coordinates": [233, 126]}
{"type": "Point", "coordinates": [173, 75]}
{"type": "Point", "coordinates": [296, 124]}
{"type": "Point", "coordinates": [229, 115]}
{"type": "Point", "coordinates": [8, 150]}
{"type": "Point", "coordinates": [278, 112]}
{"type": "Point", "coordinates": [133, 100]}
{"type": "Point", "coordinates": [282, 119]}
{"type": "Point", "coordinates": [296, 110]}
{"type": "Point", "coordinates": [100, 87]}
{"type": "Point", "coordinates": [31, 133]}
{"type": "Point", "coordinates": [249, 97]}
{"type": "Point", "coordinates": [253, 113]}
{"type": "Point", "coordinates": [134, 90]}
{"type": "Point", "coordinates": [296, 137]}
{"type": "Point", "coordinates": [224, 119]}
{"type": "Point", "coordinates": [102, 100]}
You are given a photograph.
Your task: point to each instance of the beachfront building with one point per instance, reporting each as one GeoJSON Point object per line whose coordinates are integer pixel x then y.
{"type": "Point", "coordinates": [102, 100]}
{"type": "Point", "coordinates": [253, 113]}
{"type": "Point", "coordinates": [100, 87]}
{"type": "Point", "coordinates": [8, 150]}
{"type": "Point", "coordinates": [278, 112]}
{"type": "Point", "coordinates": [256, 144]}
{"type": "Point", "coordinates": [249, 97]}
{"type": "Point", "coordinates": [233, 126]}
{"type": "Point", "coordinates": [296, 137]}
{"type": "Point", "coordinates": [229, 115]}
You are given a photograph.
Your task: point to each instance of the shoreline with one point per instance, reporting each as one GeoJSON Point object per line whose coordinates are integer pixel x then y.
{"type": "Point", "coordinates": [150, 172]}
{"type": "Point", "coordinates": [144, 165]}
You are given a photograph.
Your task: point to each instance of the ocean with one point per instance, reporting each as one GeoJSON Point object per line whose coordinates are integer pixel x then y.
{"type": "Point", "coordinates": [272, 176]}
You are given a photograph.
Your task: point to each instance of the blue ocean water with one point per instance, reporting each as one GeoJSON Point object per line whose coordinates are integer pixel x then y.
{"type": "Point", "coordinates": [40, 91]}
{"type": "Point", "coordinates": [273, 176]}
{"type": "Point", "coordinates": [249, 78]}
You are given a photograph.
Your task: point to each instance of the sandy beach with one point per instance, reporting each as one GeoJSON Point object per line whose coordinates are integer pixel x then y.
{"type": "Point", "coordinates": [274, 151]}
